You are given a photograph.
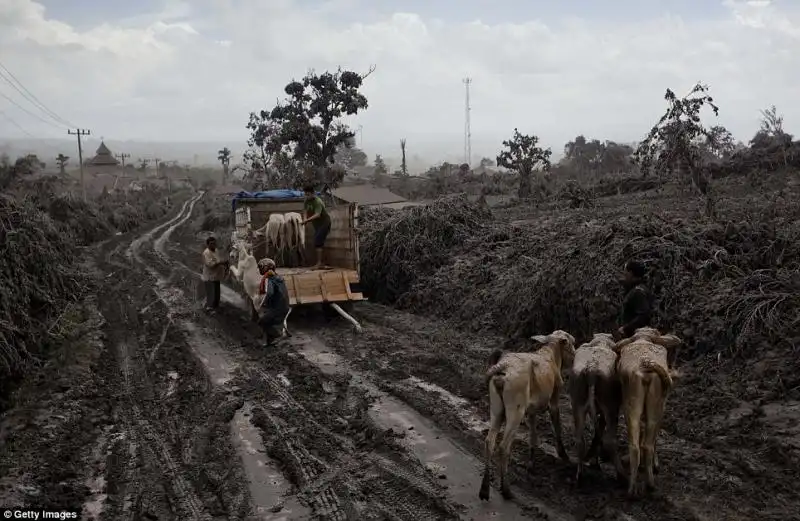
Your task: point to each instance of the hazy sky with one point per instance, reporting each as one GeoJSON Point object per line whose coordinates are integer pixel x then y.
{"type": "Point", "coordinates": [171, 70]}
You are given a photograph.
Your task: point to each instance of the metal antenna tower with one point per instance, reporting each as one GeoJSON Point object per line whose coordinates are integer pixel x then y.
{"type": "Point", "coordinates": [467, 129]}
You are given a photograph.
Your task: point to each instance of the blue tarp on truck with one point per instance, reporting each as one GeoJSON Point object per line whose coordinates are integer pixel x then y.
{"type": "Point", "coordinates": [284, 193]}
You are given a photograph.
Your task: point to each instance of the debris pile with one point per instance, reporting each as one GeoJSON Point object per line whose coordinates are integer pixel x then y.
{"type": "Point", "coordinates": [39, 233]}
{"type": "Point", "coordinates": [413, 242]}
{"type": "Point", "coordinates": [727, 285]}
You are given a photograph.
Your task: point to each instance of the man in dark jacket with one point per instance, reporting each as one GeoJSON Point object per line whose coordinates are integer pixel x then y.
{"type": "Point", "coordinates": [637, 308]}
{"type": "Point", "coordinates": [276, 302]}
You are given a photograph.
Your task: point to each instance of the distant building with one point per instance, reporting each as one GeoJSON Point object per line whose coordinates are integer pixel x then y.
{"type": "Point", "coordinates": [103, 157]}
{"type": "Point", "coordinates": [103, 163]}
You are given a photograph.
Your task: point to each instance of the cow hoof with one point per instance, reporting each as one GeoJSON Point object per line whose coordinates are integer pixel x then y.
{"type": "Point", "coordinates": [636, 491]}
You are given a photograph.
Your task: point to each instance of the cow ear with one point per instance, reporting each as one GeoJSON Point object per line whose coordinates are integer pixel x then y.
{"type": "Point", "coordinates": [542, 339]}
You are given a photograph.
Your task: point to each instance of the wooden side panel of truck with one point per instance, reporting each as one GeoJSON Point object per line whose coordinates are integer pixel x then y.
{"type": "Point", "coordinates": [307, 285]}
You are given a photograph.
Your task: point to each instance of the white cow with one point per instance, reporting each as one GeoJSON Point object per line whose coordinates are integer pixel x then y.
{"type": "Point", "coordinates": [246, 270]}
{"type": "Point", "coordinates": [294, 235]}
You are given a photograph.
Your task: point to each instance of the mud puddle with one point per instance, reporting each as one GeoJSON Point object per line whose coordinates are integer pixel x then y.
{"type": "Point", "coordinates": [268, 488]}
{"type": "Point", "coordinates": [454, 466]}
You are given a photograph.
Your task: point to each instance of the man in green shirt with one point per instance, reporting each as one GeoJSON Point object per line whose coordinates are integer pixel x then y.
{"type": "Point", "coordinates": [317, 215]}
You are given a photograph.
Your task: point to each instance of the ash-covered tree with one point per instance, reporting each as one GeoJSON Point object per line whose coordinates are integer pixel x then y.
{"type": "Point", "coordinates": [350, 156]}
{"type": "Point", "coordinates": [262, 143]}
{"type": "Point", "coordinates": [485, 163]}
{"type": "Point", "coordinates": [307, 127]}
{"type": "Point", "coordinates": [719, 142]}
{"type": "Point", "coordinates": [616, 157]}
{"type": "Point", "coordinates": [592, 156]}
{"type": "Point", "coordinates": [403, 164]}
{"type": "Point", "coordinates": [523, 155]}
{"type": "Point", "coordinates": [771, 133]}
{"type": "Point", "coordinates": [380, 165]}
{"type": "Point", "coordinates": [380, 171]}
{"type": "Point", "coordinates": [224, 157]}
{"type": "Point", "coordinates": [61, 161]}
{"type": "Point", "coordinates": [21, 168]}
{"type": "Point", "coordinates": [674, 145]}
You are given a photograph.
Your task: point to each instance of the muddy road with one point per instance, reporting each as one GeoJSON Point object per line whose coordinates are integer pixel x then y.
{"type": "Point", "coordinates": [164, 412]}
{"type": "Point", "coordinates": [181, 415]}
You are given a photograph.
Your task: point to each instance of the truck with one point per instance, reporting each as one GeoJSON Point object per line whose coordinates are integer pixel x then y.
{"type": "Point", "coordinates": [336, 283]}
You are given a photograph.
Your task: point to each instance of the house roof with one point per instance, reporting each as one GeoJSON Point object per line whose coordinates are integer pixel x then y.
{"type": "Point", "coordinates": [366, 195]}
{"type": "Point", "coordinates": [103, 150]}
{"type": "Point", "coordinates": [103, 156]}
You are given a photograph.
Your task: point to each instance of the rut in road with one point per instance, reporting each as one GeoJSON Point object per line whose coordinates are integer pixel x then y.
{"type": "Point", "coordinates": [313, 404]}
{"type": "Point", "coordinates": [170, 455]}
{"type": "Point", "coordinates": [346, 392]}
{"type": "Point", "coordinates": [342, 465]}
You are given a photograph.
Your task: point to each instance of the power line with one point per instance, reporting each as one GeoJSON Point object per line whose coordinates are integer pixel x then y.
{"type": "Point", "coordinates": [20, 107]}
{"type": "Point", "coordinates": [27, 94]}
{"type": "Point", "coordinates": [22, 129]}
{"type": "Point", "coordinates": [10, 120]}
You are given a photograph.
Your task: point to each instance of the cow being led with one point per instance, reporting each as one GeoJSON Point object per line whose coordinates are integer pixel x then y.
{"type": "Point", "coordinates": [523, 384]}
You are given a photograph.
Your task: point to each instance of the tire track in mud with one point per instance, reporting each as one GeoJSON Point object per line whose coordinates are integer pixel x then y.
{"type": "Point", "coordinates": [325, 485]}
{"type": "Point", "coordinates": [188, 501]}
{"type": "Point", "coordinates": [321, 475]}
{"type": "Point", "coordinates": [160, 465]}
{"type": "Point", "coordinates": [143, 438]}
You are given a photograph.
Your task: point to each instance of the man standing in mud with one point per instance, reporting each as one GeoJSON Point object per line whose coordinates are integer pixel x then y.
{"type": "Point", "coordinates": [276, 302]}
{"type": "Point", "coordinates": [213, 273]}
{"type": "Point", "coordinates": [636, 309]}
{"type": "Point", "coordinates": [316, 214]}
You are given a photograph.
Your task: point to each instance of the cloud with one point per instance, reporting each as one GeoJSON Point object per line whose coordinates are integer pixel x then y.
{"type": "Point", "coordinates": [193, 71]}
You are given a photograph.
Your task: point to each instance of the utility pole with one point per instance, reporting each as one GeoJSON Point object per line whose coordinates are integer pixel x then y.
{"type": "Point", "coordinates": [80, 132]}
{"type": "Point", "coordinates": [467, 129]}
{"type": "Point", "coordinates": [122, 158]}
{"type": "Point", "coordinates": [361, 137]}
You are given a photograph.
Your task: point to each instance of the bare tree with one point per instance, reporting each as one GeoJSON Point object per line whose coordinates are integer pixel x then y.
{"type": "Point", "coordinates": [403, 166]}
{"type": "Point", "coordinates": [674, 143]}
{"type": "Point", "coordinates": [61, 161]}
